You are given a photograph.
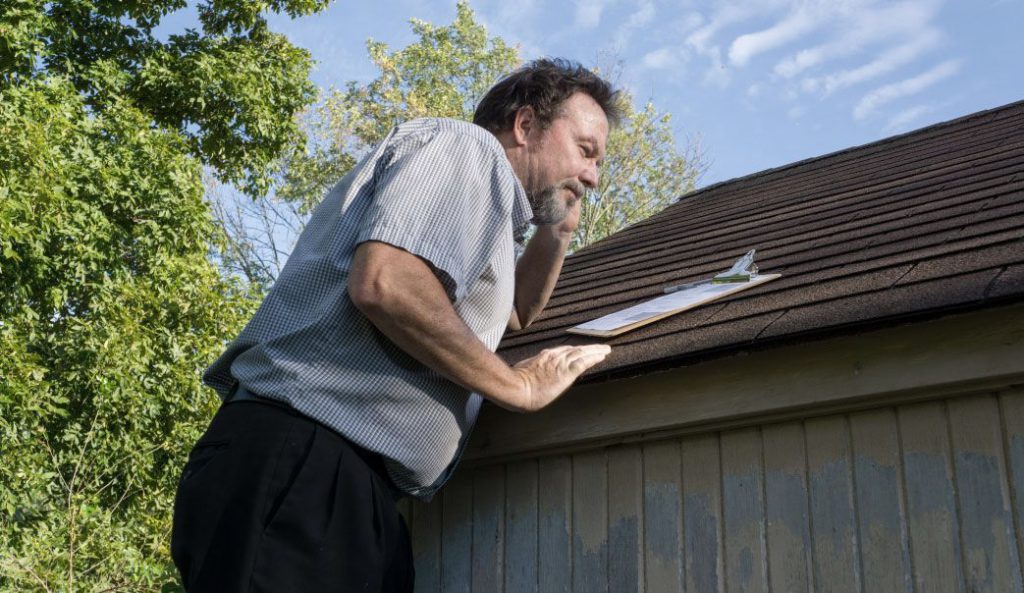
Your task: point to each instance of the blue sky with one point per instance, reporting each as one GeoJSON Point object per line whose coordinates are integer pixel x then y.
{"type": "Point", "coordinates": [761, 83]}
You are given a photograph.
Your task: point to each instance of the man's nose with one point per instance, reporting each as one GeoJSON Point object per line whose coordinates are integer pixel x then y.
{"type": "Point", "coordinates": [590, 176]}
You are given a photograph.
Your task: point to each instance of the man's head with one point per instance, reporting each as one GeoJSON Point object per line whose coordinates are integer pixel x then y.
{"type": "Point", "coordinates": [552, 117]}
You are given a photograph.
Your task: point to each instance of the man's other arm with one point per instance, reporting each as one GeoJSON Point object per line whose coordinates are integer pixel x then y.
{"type": "Point", "coordinates": [399, 293]}
{"type": "Point", "coordinates": [538, 268]}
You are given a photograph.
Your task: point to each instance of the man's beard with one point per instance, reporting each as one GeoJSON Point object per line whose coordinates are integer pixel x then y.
{"type": "Point", "coordinates": [549, 207]}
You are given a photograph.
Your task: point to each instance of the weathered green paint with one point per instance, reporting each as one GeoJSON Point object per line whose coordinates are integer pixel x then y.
{"type": "Point", "coordinates": [787, 523]}
{"type": "Point", "coordinates": [833, 524]}
{"type": "Point", "coordinates": [489, 529]}
{"type": "Point", "coordinates": [625, 509]}
{"type": "Point", "coordinates": [990, 551]}
{"type": "Point", "coordinates": [457, 534]}
{"type": "Point", "coordinates": [521, 528]}
{"type": "Point", "coordinates": [787, 531]}
{"type": "Point", "coordinates": [931, 503]}
{"type": "Point", "coordinates": [743, 512]}
{"type": "Point", "coordinates": [662, 516]}
{"type": "Point", "coordinates": [886, 562]}
{"type": "Point", "coordinates": [701, 526]}
{"type": "Point", "coordinates": [555, 528]}
{"type": "Point", "coordinates": [919, 498]}
{"type": "Point", "coordinates": [702, 515]}
{"type": "Point", "coordinates": [590, 523]}
{"type": "Point", "coordinates": [624, 572]}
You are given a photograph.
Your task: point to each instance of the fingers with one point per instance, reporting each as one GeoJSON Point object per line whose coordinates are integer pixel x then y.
{"type": "Point", "coordinates": [586, 349]}
{"type": "Point", "coordinates": [549, 373]}
{"type": "Point", "coordinates": [591, 349]}
{"type": "Point", "coordinates": [585, 357]}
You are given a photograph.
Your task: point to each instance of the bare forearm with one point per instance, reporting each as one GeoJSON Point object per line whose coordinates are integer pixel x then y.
{"type": "Point", "coordinates": [403, 299]}
{"type": "Point", "coordinates": [422, 322]}
{"type": "Point", "coordinates": [537, 272]}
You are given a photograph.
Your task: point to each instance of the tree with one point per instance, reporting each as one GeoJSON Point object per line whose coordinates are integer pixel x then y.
{"type": "Point", "coordinates": [643, 173]}
{"type": "Point", "coordinates": [444, 74]}
{"type": "Point", "coordinates": [230, 90]}
{"type": "Point", "coordinates": [110, 306]}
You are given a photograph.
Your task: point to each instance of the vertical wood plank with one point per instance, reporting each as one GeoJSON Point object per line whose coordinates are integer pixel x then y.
{"type": "Point", "coordinates": [991, 561]}
{"type": "Point", "coordinates": [521, 528]}
{"type": "Point", "coordinates": [931, 506]}
{"type": "Point", "coordinates": [743, 511]}
{"type": "Point", "coordinates": [457, 533]}
{"type": "Point", "coordinates": [702, 515]}
{"type": "Point", "coordinates": [555, 527]}
{"type": "Point", "coordinates": [590, 522]}
{"type": "Point", "coordinates": [1011, 405]}
{"type": "Point", "coordinates": [882, 517]}
{"type": "Point", "coordinates": [662, 516]}
{"type": "Point", "coordinates": [425, 531]}
{"type": "Point", "coordinates": [787, 509]}
{"type": "Point", "coordinates": [833, 521]}
{"type": "Point", "coordinates": [489, 529]}
{"type": "Point", "coordinates": [625, 519]}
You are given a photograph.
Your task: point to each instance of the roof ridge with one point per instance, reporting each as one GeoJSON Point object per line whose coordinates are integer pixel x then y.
{"type": "Point", "coordinates": [888, 139]}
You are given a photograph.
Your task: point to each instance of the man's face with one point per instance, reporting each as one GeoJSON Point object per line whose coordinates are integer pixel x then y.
{"type": "Point", "coordinates": [564, 158]}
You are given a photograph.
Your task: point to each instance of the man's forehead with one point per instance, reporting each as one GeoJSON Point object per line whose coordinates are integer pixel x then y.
{"type": "Point", "coordinates": [587, 117]}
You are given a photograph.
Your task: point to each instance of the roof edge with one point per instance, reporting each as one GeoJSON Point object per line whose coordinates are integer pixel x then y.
{"type": "Point", "coordinates": [956, 121]}
{"type": "Point", "coordinates": [847, 329]}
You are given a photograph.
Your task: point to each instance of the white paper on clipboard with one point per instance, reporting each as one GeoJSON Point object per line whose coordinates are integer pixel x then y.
{"type": "Point", "coordinates": [658, 308]}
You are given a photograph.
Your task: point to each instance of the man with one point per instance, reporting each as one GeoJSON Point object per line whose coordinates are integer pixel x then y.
{"type": "Point", "coordinates": [361, 374]}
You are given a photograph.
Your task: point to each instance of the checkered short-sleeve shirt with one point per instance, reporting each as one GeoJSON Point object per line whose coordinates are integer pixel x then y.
{"type": "Point", "coordinates": [442, 190]}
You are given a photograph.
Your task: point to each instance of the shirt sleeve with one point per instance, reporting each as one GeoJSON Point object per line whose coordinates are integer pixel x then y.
{"type": "Point", "coordinates": [444, 199]}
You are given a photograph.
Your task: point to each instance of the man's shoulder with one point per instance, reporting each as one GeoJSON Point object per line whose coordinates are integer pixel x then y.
{"type": "Point", "coordinates": [457, 131]}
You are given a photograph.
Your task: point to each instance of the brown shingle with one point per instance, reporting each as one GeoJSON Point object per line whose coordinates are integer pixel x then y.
{"type": "Point", "coordinates": [913, 226]}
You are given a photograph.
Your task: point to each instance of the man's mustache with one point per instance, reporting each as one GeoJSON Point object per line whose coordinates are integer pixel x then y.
{"type": "Point", "coordinates": [573, 185]}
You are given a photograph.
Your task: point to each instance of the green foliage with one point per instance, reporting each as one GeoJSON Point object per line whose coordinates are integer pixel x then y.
{"type": "Point", "coordinates": [444, 74]}
{"type": "Point", "coordinates": [643, 173]}
{"type": "Point", "coordinates": [110, 310]}
{"type": "Point", "coordinates": [110, 306]}
{"type": "Point", "coordinates": [232, 90]}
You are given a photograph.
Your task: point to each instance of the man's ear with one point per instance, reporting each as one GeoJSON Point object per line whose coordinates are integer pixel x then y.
{"type": "Point", "coordinates": [524, 123]}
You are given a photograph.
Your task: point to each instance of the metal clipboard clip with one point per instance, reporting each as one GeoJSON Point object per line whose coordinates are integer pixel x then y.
{"type": "Point", "coordinates": [744, 270]}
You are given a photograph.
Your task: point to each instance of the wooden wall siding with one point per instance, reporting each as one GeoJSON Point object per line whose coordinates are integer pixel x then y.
{"type": "Point", "coordinates": [910, 498]}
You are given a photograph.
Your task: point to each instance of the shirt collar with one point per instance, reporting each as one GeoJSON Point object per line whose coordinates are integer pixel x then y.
{"type": "Point", "coordinates": [522, 212]}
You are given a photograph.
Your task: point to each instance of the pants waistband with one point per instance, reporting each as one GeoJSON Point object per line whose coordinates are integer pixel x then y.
{"type": "Point", "coordinates": [373, 460]}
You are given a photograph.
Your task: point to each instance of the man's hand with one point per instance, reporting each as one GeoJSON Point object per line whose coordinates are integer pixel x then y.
{"type": "Point", "coordinates": [400, 295]}
{"type": "Point", "coordinates": [539, 266]}
{"type": "Point", "coordinates": [572, 219]}
{"type": "Point", "coordinates": [548, 374]}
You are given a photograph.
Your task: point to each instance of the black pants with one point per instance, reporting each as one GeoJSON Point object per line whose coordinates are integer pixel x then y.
{"type": "Point", "coordinates": [271, 501]}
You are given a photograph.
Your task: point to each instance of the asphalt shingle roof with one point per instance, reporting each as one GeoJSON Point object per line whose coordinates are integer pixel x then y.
{"type": "Point", "coordinates": [910, 227]}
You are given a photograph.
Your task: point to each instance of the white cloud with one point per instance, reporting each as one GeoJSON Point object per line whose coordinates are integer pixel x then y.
{"type": "Point", "coordinates": [643, 15]}
{"type": "Point", "coordinates": [516, 12]}
{"type": "Point", "coordinates": [511, 25]}
{"type": "Point", "coordinates": [861, 28]}
{"type": "Point", "coordinates": [903, 119]}
{"type": "Point", "coordinates": [700, 40]}
{"type": "Point", "coordinates": [660, 59]}
{"type": "Point", "coordinates": [889, 61]}
{"type": "Point", "coordinates": [588, 13]}
{"type": "Point", "coordinates": [904, 88]}
{"type": "Point", "coordinates": [717, 74]}
{"type": "Point", "coordinates": [688, 23]}
{"type": "Point", "coordinates": [726, 15]}
{"type": "Point", "coordinates": [794, 26]}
